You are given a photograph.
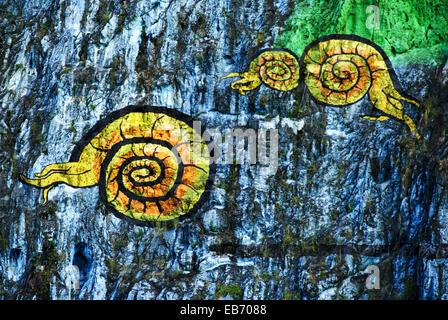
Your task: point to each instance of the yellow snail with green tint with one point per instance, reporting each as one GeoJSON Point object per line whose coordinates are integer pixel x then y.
{"type": "Point", "coordinates": [149, 163]}
{"type": "Point", "coordinates": [338, 70]}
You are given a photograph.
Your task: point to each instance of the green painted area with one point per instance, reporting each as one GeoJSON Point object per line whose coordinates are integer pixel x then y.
{"type": "Point", "coordinates": [409, 31]}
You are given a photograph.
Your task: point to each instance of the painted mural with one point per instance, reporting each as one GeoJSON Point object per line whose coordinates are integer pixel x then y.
{"type": "Point", "coordinates": [148, 162]}
{"type": "Point", "coordinates": [338, 70]}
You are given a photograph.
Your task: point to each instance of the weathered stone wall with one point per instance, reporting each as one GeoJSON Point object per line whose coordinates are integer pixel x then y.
{"type": "Point", "coordinates": [348, 192]}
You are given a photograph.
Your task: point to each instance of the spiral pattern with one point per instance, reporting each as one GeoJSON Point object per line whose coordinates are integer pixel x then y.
{"type": "Point", "coordinates": [158, 169]}
{"type": "Point", "coordinates": [139, 178]}
{"type": "Point", "coordinates": [341, 72]}
{"type": "Point", "coordinates": [149, 166]}
{"type": "Point", "coordinates": [278, 69]}
{"type": "Point", "coordinates": [338, 70]}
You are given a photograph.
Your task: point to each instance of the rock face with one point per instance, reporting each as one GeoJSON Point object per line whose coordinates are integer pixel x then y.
{"type": "Point", "coordinates": [347, 193]}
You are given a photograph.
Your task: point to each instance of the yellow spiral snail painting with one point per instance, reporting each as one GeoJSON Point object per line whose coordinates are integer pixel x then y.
{"type": "Point", "coordinates": [149, 163]}
{"type": "Point", "coordinates": [338, 70]}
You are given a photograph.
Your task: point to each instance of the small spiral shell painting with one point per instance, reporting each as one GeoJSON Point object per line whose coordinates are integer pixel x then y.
{"type": "Point", "coordinates": [148, 162]}
{"type": "Point", "coordinates": [338, 70]}
{"type": "Point", "coordinates": [279, 69]}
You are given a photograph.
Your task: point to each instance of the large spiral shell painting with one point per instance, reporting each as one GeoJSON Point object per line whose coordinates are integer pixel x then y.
{"type": "Point", "coordinates": [338, 70]}
{"type": "Point", "coordinates": [149, 163]}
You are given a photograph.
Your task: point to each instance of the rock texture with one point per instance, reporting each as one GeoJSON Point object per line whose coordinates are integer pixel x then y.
{"type": "Point", "coordinates": [348, 193]}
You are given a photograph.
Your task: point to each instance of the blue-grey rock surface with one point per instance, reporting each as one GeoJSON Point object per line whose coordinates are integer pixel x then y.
{"type": "Point", "coordinates": [348, 193]}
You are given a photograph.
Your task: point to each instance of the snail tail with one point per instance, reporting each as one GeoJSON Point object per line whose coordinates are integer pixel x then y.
{"type": "Point", "coordinates": [70, 173]}
{"type": "Point", "coordinates": [46, 193]}
{"type": "Point", "coordinates": [249, 81]}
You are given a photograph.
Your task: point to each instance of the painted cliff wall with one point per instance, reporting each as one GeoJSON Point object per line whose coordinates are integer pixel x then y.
{"type": "Point", "coordinates": [348, 192]}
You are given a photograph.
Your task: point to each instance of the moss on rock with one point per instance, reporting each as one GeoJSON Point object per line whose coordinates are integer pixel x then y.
{"type": "Point", "coordinates": [406, 29]}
